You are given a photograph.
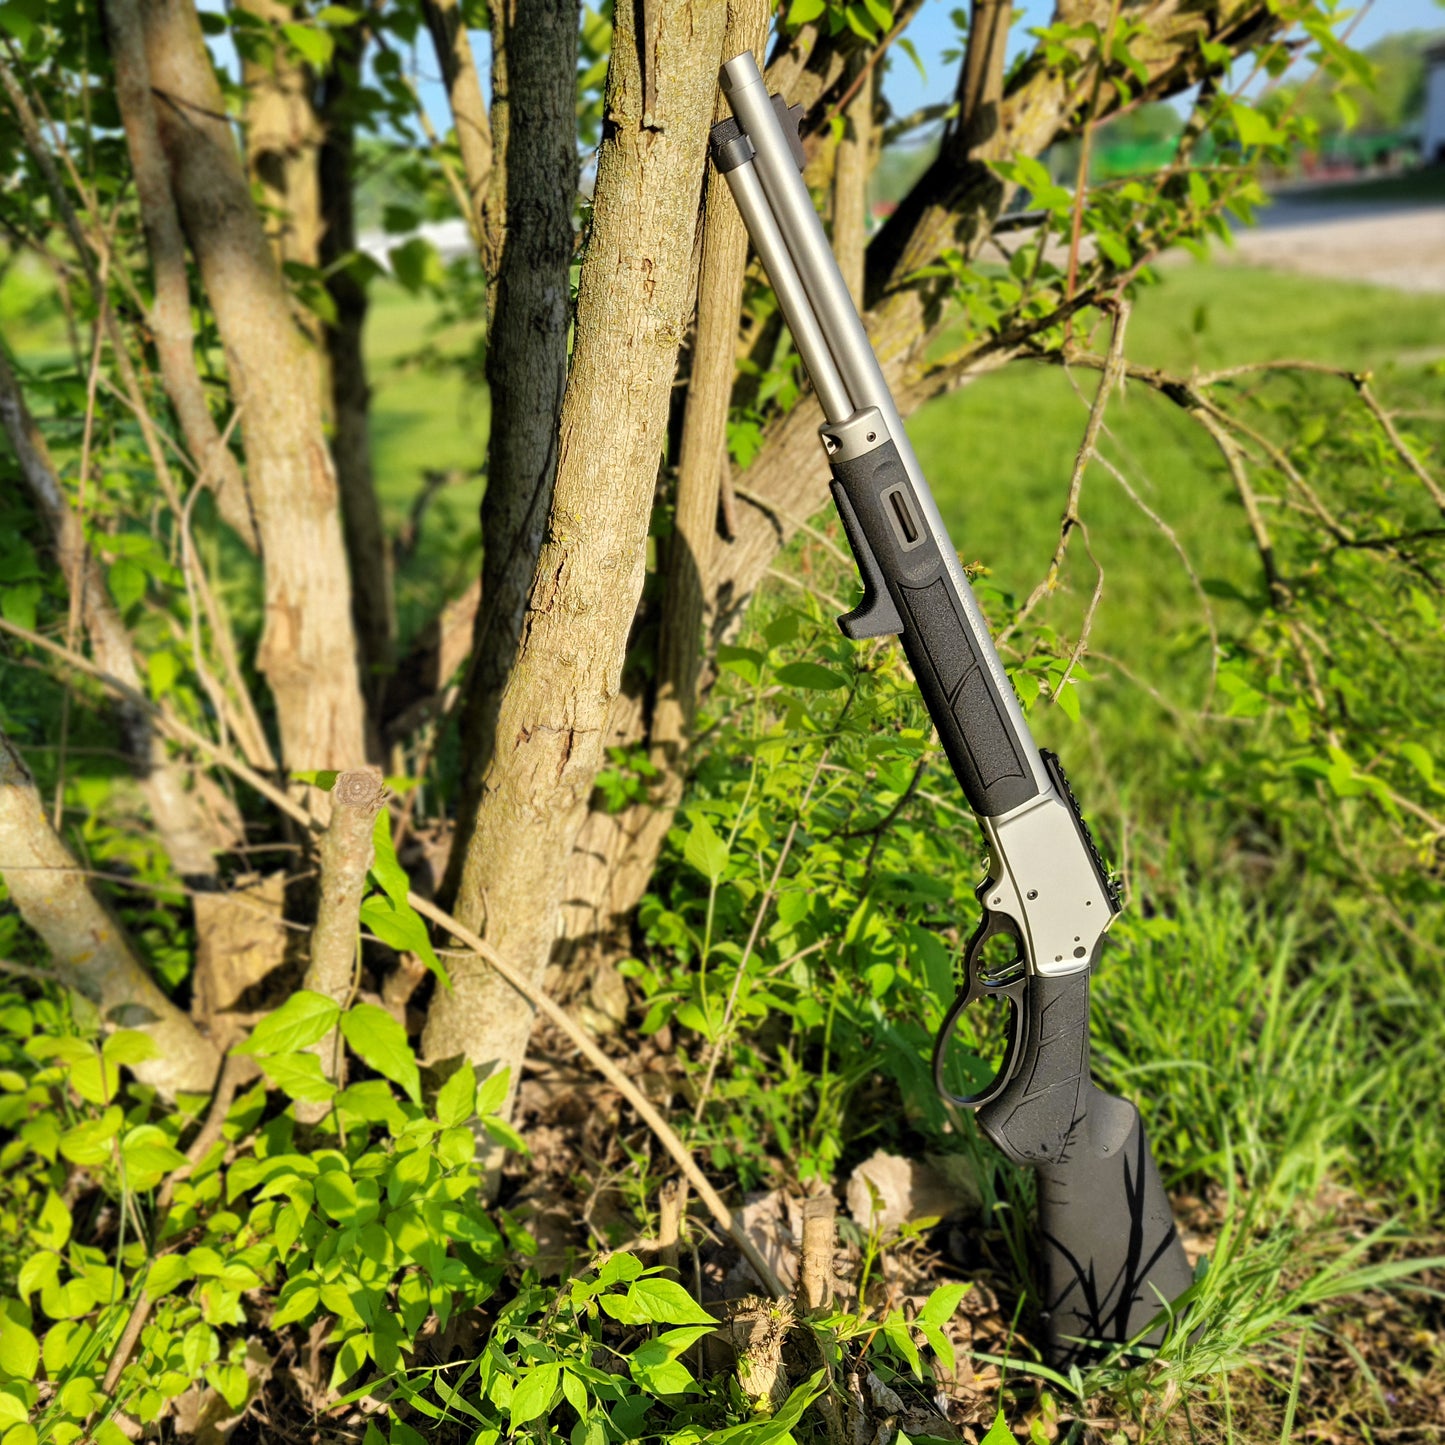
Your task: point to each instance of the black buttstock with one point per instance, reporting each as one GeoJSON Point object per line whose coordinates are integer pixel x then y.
{"type": "Point", "coordinates": [907, 588]}
{"type": "Point", "coordinates": [1110, 1255]}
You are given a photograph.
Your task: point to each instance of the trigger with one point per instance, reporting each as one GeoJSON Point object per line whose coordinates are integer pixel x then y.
{"type": "Point", "coordinates": [994, 976]}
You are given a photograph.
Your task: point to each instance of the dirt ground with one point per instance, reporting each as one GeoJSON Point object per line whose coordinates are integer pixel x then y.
{"type": "Point", "coordinates": [1401, 246]}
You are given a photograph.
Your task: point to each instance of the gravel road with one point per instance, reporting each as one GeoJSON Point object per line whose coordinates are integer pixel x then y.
{"type": "Point", "coordinates": [1403, 246]}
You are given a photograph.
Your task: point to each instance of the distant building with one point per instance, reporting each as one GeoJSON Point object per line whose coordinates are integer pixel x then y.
{"type": "Point", "coordinates": [1432, 135]}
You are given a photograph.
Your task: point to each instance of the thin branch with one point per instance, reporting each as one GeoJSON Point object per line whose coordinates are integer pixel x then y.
{"type": "Point", "coordinates": [1113, 371]}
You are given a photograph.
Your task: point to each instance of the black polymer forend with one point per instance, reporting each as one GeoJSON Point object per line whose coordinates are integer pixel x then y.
{"type": "Point", "coordinates": [907, 590]}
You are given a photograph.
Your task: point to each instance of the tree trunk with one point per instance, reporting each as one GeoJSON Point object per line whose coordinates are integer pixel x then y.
{"type": "Point", "coordinates": [616, 853]}
{"type": "Point", "coordinates": [307, 652]}
{"type": "Point", "coordinates": [179, 820]}
{"type": "Point", "coordinates": [632, 309]}
{"type": "Point", "coordinates": [170, 313]}
{"type": "Point", "coordinates": [534, 67]}
{"type": "Point", "coordinates": [89, 948]}
{"type": "Point", "coordinates": [469, 114]}
{"type": "Point", "coordinates": [850, 186]}
{"type": "Point", "coordinates": [373, 608]}
{"type": "Point", "coordinates": [283, 137]}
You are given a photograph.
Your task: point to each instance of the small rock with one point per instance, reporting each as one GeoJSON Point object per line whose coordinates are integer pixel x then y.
{"type": "Point", "coordinates": [904, 1191]}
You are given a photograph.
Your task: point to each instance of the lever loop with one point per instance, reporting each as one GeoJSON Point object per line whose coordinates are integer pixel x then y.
{"type": "Point", "coordinates": [1010, 987]}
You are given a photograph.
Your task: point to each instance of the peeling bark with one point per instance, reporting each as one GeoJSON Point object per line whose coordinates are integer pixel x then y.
{"type": "Point", "coordinates": [241, 939]}
{"type": "Point", "coordinates": [170, 312]}
{"type": "Point", "coordinates": [190, 842]}
{"type": "Point", "coordinates": [632, 308]}
{"type": "Point", "coordinates": [307, 652]}
{"type": "Point", "coordinates": [90, 950]}
{"type": "Point", "coordinates": [534, 64]}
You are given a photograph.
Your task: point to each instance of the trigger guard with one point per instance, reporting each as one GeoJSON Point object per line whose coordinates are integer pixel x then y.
{"type": "Point", "coordinates": [973, 990]}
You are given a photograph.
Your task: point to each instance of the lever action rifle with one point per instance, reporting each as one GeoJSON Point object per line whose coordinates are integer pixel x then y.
{"type": "Point", "coordinates": [1110, 1258]}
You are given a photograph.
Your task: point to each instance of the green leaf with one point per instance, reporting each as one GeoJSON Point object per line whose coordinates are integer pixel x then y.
{"type": "Point", "coordinates": [127, 582]}
{"type": "Point", "coordinates": [907, 46]}
{"type": "Point", "coordinates": [169, 1271]}
{"type": "Point", "coordinates": [493, 1091]}
{"type": "Point", "coordinates": [323, 778]}
{"type": "Point", "coordinates": [297, 1300]}
{"type": "Point", "coordinates": [747, 662]}
{"type": "Point", "coordinates": [89, 1142]}
{"type": "Point", "coordinates": [942, 1304]}
{"type": "Point", "coordinates": [895, 1328]}
{"type": "Point", "coordinates": [1067, 697]}
{"type": "Point", "coordinates": [999, 1432]}
{"type": "Point", "coordinates": [705, 850]}
{"type": "Point", "coordinates": [315, 47]}
{"type": "Point", "coordinates": [65, 1342]}
{"type": "Point", "coordinates": [809, 677]}
{"type": "Point", "coordinates": [401, 919]}
{"type": "Point", "coordinates": [1253, 126]}
{"type": "Point", "coordinates": [299, 1076]}
{"type": "Point", "coordinates": [51, 1230]}
{"type": "Point", "coordinates": [337, 15]}
{"type": "Point", "coordinates": [1419, 759]}
{"type": "Point", "coordinates": [19, 1350]}
{"type": "Point", "coordinates": [533, 1395]}
{"type": "Point", "coordinates": [416, 265]}
{"type": "Point", "coordinates": [380, 1041]}
{"type": "Point", "coordinates": [163, 668]}
{"type": "Point", "coordinates": [18, 604]}
{"type": "Point", "coordinates": [41, 1271]}
{"type": "Point", "coordinates": [1114, 247]}
{"type": "Point", "coordinates": [347, 1200]}
{"type": "Point", "coordinates": [881, 13]}
{"type": "Point", "coordinates": [652, 1300]}
{"type": "Point", "coordinates": [386, 870]}
{"type": "Point", "coordinates": [147, 1155]}
{"type": "Point", "coordinates": [352, 1355]}
{"type": "Point", "coordinates": [620, 1266]}
{"type": "Point", "coordinates": [456, 1099]}
{"type": "Point", "coordinates": [17, 23]}
{"type": "Point", "coordinates": [802, 11]}
{"type": "Point", "coordinates": [304, 1018]}
{"type": "Point", "coordinates": [129, 1046]}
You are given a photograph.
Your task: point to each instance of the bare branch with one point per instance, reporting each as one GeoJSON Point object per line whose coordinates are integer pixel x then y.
{"type": "Point", "coordinates": [1113, 371]}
